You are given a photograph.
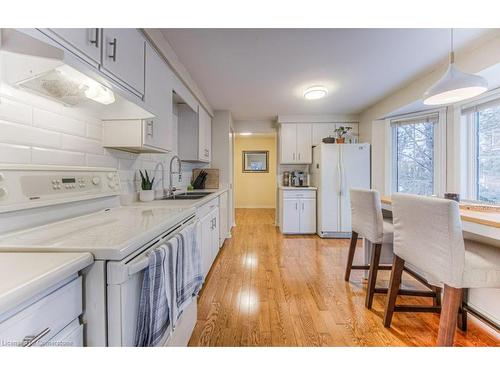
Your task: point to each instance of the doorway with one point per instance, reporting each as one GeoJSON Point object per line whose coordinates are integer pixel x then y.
{"type": "Point", "coordinates": [255, 170]}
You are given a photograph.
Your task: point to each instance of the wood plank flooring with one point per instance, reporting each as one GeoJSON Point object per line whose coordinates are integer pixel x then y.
{"type": "Point", "coordinates": [266, 289]}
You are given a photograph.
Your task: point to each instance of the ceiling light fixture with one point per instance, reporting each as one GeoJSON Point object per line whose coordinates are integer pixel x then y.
{"type": "Point", "coordinates": [454, 85]}
{"type": "Point", "coordinates": [245, 133]}
{"type": "Point", "coordinates": [315, 92]}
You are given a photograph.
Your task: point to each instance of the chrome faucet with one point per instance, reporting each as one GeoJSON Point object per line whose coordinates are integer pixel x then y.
{"type": "Point", "coordinates": [171, 187]}
{"type": "Point", "coordinates": [162, 165]}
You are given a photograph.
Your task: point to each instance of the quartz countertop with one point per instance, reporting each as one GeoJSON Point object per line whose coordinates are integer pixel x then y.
{"type": "Point", "coordinates": [110, 234]}
{"type": "Point", "coordinates": [185, 203]}
{"type": "Point", "coordinates": [24, 275]}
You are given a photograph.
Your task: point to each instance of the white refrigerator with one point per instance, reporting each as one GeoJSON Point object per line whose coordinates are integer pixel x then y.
{"type": "Point", "coordinates": [337, 168]}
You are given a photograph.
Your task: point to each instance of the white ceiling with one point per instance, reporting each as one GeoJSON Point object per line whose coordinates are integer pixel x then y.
{"type": "Point", "coordinates": [259, 73]}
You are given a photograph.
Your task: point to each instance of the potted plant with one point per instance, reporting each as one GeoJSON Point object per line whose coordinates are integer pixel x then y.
{"type": "Point", "coordinates": [147, 193]}
{"type": "Point", "coordinates": [341, 133]}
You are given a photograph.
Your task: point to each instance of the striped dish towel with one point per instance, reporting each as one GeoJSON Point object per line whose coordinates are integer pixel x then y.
{"type": "Point", "coordinates": [189, 275]}
{"type": "Point", "coordinates": [156, 310]}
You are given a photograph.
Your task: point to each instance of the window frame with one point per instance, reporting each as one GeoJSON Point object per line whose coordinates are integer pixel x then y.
{"type": "Point", "coordinates": [470, 118]}
{"type": "Point", "coordinates": [439, 156]}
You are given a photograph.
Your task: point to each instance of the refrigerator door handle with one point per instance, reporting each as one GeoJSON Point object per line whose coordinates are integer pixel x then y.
{"type": "Point", "coordinates": [339, 180]}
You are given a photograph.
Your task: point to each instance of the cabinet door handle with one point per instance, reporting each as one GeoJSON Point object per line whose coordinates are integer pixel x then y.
{"type": "Point", "coordinates": [150, 125]}
{"type": "Point", "coordinates": [296, 206]}
{"type": "Point", "coordinates": [302, 206]}
{"type": "Point", "coordinates": [113, 44]}
{"type": "Point", "coordinates": [299, 155]}
{"type": "Point", "coordinates": [294, 156]}
{"type": "Point", "coordinates": [96, 40]}
{"type": "Point", "coordinates": [31, 340]}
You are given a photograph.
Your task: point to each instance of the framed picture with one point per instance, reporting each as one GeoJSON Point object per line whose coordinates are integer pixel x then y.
{"type": "Point", "coordinates": [256, 161]}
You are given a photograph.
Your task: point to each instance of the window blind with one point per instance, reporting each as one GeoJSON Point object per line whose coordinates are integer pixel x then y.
{"type": "Point", "coordinates": [433, 118]}
{"type": "Point", "coordinates": [480, 106]}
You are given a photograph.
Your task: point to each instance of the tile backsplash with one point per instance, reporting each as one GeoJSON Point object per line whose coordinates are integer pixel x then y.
{"type": "Point", "coordinates": [34, 130]}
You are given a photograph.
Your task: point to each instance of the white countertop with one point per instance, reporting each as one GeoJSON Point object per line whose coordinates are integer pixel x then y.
{"type": "Point", "coordinates": [298, 188]}
{"type": "Point", "coordinates": [24, 275]}
{"type": "Point", "coordinates": [184, 203]}
{"type": "Point", "coordinates": [110, 234]}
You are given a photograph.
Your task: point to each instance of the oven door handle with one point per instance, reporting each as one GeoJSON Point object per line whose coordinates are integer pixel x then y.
{"type": "Point", "coordinates": [142, 260]}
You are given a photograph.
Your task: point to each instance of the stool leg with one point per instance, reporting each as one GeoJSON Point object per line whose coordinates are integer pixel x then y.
{"type": "Point", "coordinates": [372, 276]}
{"type": "Point", "coordinates": [398, 266]}
{"type": "Point", "coordinates": [436, 301]}
{"type": "Point", "coordinates": [462, 318]}
{"type": "Point", "coordinates": [350, 256]}
{"type": "Point", "coordinates": [449, 313]}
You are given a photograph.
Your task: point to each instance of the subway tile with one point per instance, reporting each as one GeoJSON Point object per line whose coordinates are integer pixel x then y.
{"type": "Point", "coordinates": [70, 142]}
{"type": "Point", "coordinates": [127, 164]}
{"type": "Point", "coordinates": [28, 135]}
{"type": "Point", "coordinates": [15, 154]}
{"type": "Point", "coordinates": [101, 161]}
{"type": "Point", "coordinates": [56, 157]}
{"type": "Point", "coordinates": [11, 110]}
{"type": "Point", "coordinates": [94, 131]}
{"type": "Point", "coordinates": [54, 121]}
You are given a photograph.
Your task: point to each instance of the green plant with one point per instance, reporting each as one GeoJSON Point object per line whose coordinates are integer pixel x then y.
{"type": "Point", "coordinates": [342, 131]}
{"type": "Point", "coordinates": [146, 184]}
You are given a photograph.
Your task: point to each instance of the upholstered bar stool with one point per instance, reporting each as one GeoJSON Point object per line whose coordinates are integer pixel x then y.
{"type": "Point", "coordinates": [367, 222]}
{"type": "Point", "coordinates": [428, 235]}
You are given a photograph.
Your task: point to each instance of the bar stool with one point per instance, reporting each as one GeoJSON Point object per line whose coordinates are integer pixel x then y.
{"type": "Point", "coordinates": [367, 222]}
{"type": "Point", "coordinates": [428, 235]}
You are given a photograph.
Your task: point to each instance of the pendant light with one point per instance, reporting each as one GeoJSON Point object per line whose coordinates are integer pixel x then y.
{"type": "Point", "coordinates": [454, 85]}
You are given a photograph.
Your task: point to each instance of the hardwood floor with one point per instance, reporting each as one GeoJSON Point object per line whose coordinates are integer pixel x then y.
{"type": "Point", "coordinates": [266, 289]}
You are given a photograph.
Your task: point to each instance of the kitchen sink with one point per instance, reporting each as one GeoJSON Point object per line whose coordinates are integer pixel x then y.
{"type": "Point", "coordinates": [188, 195]}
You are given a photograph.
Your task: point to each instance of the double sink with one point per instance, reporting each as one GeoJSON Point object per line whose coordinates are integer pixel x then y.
{"type": "Point", "coordinates": [188, 195]}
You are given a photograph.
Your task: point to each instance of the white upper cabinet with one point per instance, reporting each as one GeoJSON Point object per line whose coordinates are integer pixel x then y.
{"type": "Point", "coordinates": [85, 43]}
{"type": "Point", "coordinates": [194, 126]}
{"type": "Point", "coordinates": [123, 57]}
{"type": "Point", "coordinates": [295, 144]}
{"type": "Point", "coordinates": [158, 99]}
{"type": "Point", "coordinates": [118, 54]}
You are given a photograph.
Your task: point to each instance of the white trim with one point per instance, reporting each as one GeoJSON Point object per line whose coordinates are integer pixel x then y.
{"type": "Point", "coordinates": [440, 150]}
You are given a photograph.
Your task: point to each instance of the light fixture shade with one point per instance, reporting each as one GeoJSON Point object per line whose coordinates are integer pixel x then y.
{"type": "Point", "coordinates": [455, 86]}
{"type": "Point", "coordinates": [315, 92]}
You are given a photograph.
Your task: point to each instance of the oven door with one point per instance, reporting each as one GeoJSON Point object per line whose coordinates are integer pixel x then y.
{"type": "Point", "coordinates": [123, 296]}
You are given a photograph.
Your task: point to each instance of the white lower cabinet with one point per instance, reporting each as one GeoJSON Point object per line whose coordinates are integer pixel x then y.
{"type": "Point", "coordinates": [51, 320]}
{"type": "Point", "coordinates": [209, 234]}
{"type": "Point", "coordinates": [297, 212]}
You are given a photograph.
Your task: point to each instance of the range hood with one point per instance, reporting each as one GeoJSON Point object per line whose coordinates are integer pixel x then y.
{"type": "Point", "coordinates": [33, 65]}
{"type": "Point", "coordinates": [68, 86]}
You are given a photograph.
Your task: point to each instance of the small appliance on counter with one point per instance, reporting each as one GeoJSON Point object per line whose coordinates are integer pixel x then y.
{"type": "Point", "coordinates": [286, 178]}
{"type": "Point", "coordinates": [299, 179]}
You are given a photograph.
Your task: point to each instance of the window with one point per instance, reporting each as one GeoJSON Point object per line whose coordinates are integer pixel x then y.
{"type": "Point", "coordinates": [484, 151]}
{"type": "Point", "coordinates": [414, 166]}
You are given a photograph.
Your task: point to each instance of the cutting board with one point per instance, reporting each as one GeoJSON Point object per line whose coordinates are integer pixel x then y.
{"type": "Point", "coordinates": [212, 181]}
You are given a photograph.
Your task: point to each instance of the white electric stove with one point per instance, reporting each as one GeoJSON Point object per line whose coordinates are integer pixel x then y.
{"type": "Point", "coordinates": [72, 209]}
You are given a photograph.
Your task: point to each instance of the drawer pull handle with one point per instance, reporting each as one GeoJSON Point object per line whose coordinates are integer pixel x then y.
{"type": "Point", "coordinates": [31, 340]}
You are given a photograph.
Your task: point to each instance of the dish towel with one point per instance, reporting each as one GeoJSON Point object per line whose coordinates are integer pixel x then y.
{"type": "Point", "coordinates": [189, 276]}
{"type": "Point", "coordinates": [156, 305]}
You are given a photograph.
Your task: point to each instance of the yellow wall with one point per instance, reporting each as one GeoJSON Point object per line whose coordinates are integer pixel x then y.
{"type": "Point", "coordinates": [255, 190]}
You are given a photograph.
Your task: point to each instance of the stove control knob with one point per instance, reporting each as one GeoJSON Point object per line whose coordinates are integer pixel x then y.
{"type": "Point", "coordinates": [3, 193]}
{"type": "Point", "coordinates": [96, 180]}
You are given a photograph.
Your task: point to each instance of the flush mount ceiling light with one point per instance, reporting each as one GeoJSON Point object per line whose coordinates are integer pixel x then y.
{"type": "Point", "coordinates": [454, 85]}
{"type": "Point", "coordinates": [315, 92]}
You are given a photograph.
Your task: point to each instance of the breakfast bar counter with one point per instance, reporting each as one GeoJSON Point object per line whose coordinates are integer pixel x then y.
{"type": "Point", "coordinates": [480, 223]}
